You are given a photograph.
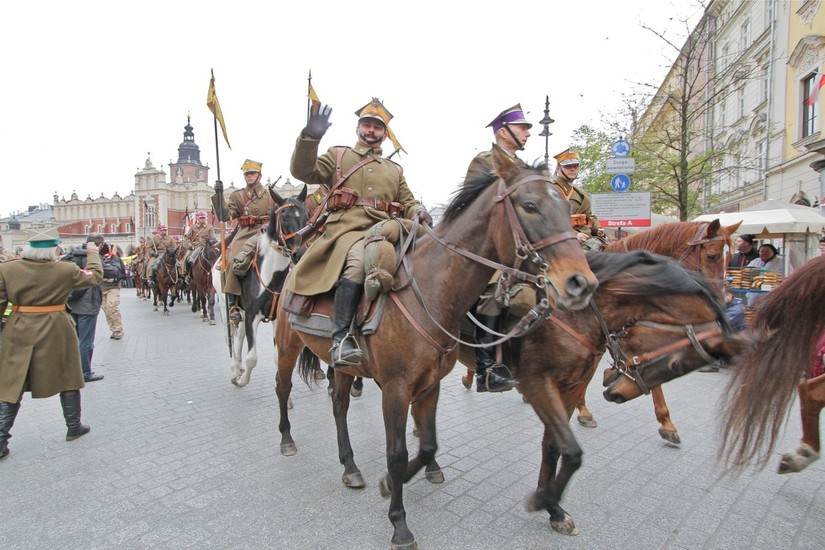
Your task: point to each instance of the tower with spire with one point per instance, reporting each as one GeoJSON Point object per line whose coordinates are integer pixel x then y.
{"type": "Point", "coordinates": [188, 170]}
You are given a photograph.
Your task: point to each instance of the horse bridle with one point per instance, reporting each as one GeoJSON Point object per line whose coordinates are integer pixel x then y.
{"type": "Point", "coordinates": [525, 251]}
{"type": "Point", "coordinates": [283, 239]}
{"type": "Point", "coordinates": [633, 367]}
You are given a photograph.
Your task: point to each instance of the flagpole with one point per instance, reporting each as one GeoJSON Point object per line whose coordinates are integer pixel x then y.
{"type": "Point", "coordinates": [219, 193]}
{"type": "Point", "coordinates": [309, 99]}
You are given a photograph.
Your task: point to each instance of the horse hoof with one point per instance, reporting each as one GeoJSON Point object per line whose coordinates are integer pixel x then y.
{"type": "Point", "coordinates": [355, 392]}
{"type": "Point", "coordinates": [671, 436]}
{"type": "Point", "coordinates": [289, 449]}
{"type": "Point", "coordinates": [234, 382]}
{"type": "Point", "coordinates": [384, 487]}
{"type": "Point", "coordinates": [467, 382]}
{"type": "Point", "coordinates": [436, 477]}
{"type": "Point", "coordinates": [155, 308]}
{"type": "Point", "coordinates": [353, 480]}
{"type": "Point", "coordinates": [566, 526]}
{"type": "Point", "coordinates": [404, 546]}
{"type": "Point", "coordinates": [587, 421]}
{"type": "Point", "coordinates": [166, 314]}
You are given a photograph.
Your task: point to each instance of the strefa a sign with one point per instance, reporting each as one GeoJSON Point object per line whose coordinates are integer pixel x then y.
{"type": "Point", "coordinates": [622, 209]}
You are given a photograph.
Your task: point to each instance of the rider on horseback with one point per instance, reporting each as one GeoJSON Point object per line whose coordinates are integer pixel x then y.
{"type": "Point", "coordinates": [158, 246]}
{"type": "Point", "coordinates": [375, 190]}
{"type": "Point", "coordinates": [194, 240]}
{"type": "Point", "coordinates": [250, 207]}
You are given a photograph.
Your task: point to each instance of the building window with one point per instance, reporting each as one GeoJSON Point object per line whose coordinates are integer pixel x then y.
{"type": "Point", "coordinates": [809, 112]}
{"type": "Point", "coordinates": [114, 228]}
{"type": "Point", "coordinates": [761, 157]}
{"type": "Point", "coordinates": [128, 228]}
{"type": "Point", "coordinates": [724, 59]}
{"type": "Point", "coordinates": [723, 119]}
{"type": "Point", "coordinates": [745, 35]}
{"type": "Point", "coordinates": [766, 82]}
{"type": "Point", "coordinates": [86, 229]}
{"type": "Point", "coordinates": [740, 100]}
{"type": "Point", "coordinates": [100, 228]}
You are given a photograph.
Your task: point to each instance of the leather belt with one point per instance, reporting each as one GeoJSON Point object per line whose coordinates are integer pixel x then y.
{"type": "Point", "coordinates": [378, 204]}
{"type": "Point", "coordinates": [249, 221]}
{"type": "Point", "coordinates": [38, 309]}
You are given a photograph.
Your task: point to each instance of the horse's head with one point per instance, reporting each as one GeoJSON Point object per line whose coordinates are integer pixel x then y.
{"type": "Point", "coordinates": [528, 223]}
{"type": "Point", "coordinates": [714, 244]}
{"type": "Point", "coordinates": [676, 325]}
{"type": "Point", "coordinates": [285, 220]}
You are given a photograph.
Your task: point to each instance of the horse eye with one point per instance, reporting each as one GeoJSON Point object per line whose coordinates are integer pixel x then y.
{"type": "Point", "coordinates": [529, 207]}
{"type": "Point", "coordinates": [713, 257]}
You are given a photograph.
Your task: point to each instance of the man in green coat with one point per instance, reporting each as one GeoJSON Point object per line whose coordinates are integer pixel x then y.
{"type": "Point", "coordinates": [40, 352]}
{"type": "Point", "coordinates": [364, 188]}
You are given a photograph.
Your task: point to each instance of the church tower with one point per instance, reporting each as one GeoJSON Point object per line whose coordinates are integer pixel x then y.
{"type": "Point", "coordinates": [188, 169]}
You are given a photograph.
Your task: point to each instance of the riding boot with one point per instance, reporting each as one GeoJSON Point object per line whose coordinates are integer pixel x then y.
{"type": "Point", "coordinates": [487, 379]}
{"type": "Point", "coordinates": [234, 309]}
{"type": "Point", "coordinates": [345, 351]}
{"type": "Point", "coordinates": [70, 401]}
{"type": "Point", "coordinates": [8, 412]}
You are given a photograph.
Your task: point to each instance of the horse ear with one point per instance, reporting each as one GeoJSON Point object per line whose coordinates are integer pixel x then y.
{"type": "Point", "coordinates": [276, 197]}
{"type": "Point", "coordinates": [302, 196]}
{"type": "Point", "coordinates": [504, 165]}
{"type": "Point", "coordinates": [713, 228]}
{"type": "Point", "coordinates": [731, 229]}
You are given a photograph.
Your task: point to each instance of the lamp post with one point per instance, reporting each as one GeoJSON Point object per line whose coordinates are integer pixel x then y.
{"type": "Point", "coordinates": [546, 122]}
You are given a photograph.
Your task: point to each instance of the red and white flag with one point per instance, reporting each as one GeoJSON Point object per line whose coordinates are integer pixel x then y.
{"type": "Point", "coordinates": [818, 83]}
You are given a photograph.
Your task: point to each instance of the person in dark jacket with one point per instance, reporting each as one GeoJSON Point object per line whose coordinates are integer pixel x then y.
{"type": "Point", "coordinates": [735, 313]}
{"type": "Point", "coordinates": [39, 352]}
{"type": "Point", "coordinates": [745, 252]}
{"type": "Point", "coordinates": [114, 272]}
{"type": "Point", "coordinates": [85, 307]}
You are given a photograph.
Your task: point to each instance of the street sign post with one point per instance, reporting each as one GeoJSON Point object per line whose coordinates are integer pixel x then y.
{"type": "Point", "coordinates": [621, 165]}
{"type": "Point", "coordinates": [620, 148]}
{"type": "Point", "coordinates": [622, 210]}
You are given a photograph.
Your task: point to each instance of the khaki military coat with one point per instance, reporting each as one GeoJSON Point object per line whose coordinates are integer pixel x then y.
{"type": "Point", "coordinates": [320, 267]}
{"type": "Point", "coordinates": [39, 351]}
{"type": "Point", "coordinates": [579, 204]}
{"type": "Point", "coordinates": [249, 201]}
{"type": "Point", "coordinates": [482, 164]}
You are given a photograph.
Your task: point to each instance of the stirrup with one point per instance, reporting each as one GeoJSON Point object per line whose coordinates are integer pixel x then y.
{"type": "Point", "coordinates": [354, 359]}
{"type": "Point", "coordinates": [235, 314]}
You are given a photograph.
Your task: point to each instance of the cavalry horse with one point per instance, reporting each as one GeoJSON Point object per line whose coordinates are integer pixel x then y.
{"type": "Point", "coordinates": [515, 218]}
{"type": "Point", "coordinates": [786, 327]}
{"type": "Point", "coordinates": [166, 283]}
{"type": "Point", "coordinates": [699, 246]}
{"type": "Point", "coordinates": [137, 268]}
{"type": "Point", "coordinates": [200, 284]}
{"type": "Point", "coordinates": [278, 247]}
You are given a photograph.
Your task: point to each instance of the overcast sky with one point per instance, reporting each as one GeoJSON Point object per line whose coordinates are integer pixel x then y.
{"type": "Point", "coordinates": [90, 87]}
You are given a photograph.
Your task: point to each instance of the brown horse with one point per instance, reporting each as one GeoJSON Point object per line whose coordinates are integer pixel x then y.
{"type": "Point", "coordinates": [515, 218]}
{"type": "Point", "coordinates": [137, 268]}
{"type": "Point", "coordinates": [645, 310]}
{"type": "Point", "coordinates": [203, 292]}
{"type": "Point", "coordinates": [699, 246]}
{"type": "Point", "coordinates": [787, 324]}
{"type": "Point", "coordinates": [166, 283]}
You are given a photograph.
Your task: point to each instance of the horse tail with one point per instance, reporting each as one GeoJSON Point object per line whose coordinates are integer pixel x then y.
{"type": "Point", "coordinates": [308, 364]}
{"type": "Point", "coordinates": [787, 324]}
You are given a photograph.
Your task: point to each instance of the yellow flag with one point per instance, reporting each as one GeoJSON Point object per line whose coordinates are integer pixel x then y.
{"type": "Point", "coordinates": [215, 107]}
{"type": "Point", "coordinates": [313, 97]}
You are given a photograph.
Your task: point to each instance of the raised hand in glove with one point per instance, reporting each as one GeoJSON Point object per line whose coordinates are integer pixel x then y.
{"type": "Point", "coordinates": [218, 186]}
{"type": "Point", "coordinates": [318, 122]}
{"type": "Point", "coordinates": [424, 217]}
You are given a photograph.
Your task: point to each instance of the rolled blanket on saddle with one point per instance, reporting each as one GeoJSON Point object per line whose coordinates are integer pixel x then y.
{"type": "Point", "coordinates": [380, 256]}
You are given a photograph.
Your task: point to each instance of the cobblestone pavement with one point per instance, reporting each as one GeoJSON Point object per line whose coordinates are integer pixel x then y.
{"type": "Point", "coordinates": [179, 458]}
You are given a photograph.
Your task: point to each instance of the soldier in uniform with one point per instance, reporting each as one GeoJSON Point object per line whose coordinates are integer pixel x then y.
{"type": "Point", "coordinates": [250, 207]}
{"type": "Point", "coordinates": [589, 234]}
{"type": "Point", "coordinates": [194, 240]}
{"type": "Point", "coordinates": [40, 352]}
{"type": "Point", "coordinates": [157, 247]}
{"type": "Point", "coordinates": [365, 188]}
{"type": "Point", "coordinates": [511, 131]}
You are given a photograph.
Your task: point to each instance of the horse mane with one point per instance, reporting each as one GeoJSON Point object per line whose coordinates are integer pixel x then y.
{"type": "Point", "coordinates": [642, 273]}
{"type": "Point", "coordinates": [466, 194]}
{"type": "Point", "coordinates": [786, 326]}
{"type": "Point", "coordinates": [669, 236]}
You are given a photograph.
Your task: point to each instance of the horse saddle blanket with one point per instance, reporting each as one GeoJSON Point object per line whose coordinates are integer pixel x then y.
{"type": "Point", "coordinates": [313, 314]}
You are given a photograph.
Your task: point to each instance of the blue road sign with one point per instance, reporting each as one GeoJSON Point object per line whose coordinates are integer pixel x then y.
{"type": "Point", "coordinates": [620, 148]}
{"type": "Point", "coordinates": [620, 183]}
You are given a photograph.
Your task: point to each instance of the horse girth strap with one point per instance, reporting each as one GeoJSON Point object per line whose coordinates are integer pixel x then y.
{"type": "Point", "coordinates": [578, 337]}
{"type": "Point", "coordinates": [417, 326]}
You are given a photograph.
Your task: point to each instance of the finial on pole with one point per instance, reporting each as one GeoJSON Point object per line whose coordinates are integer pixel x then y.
{"type": "Point", "coordinates": [546, 122]}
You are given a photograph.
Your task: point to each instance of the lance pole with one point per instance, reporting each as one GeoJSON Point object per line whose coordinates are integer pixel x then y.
{"type": "Point", "coordinates": [546, 122]}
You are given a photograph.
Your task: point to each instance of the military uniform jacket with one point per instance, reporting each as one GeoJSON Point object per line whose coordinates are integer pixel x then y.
{"type": "Point", "coordinates": [320, 267]}
{"type": "Point", "coordinates": [482, 164]}
{"type": "Point", "coordinates": [161, 244]}
{"type": "Point", "coordinates": [39, 351]}
{"type": "Point", "coordinates": [250, 201]}
{"type": "Point", "coordinates": [198, 234]}
{"type": "Point", "coordinates": [579, 204]}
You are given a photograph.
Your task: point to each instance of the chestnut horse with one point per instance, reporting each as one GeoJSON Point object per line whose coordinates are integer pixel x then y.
{"type": "Point", "coordinates": [515, 217]}
{"type": "Point", "coordinates": [699, 246]}
{"type": "Point", "coordinates": [203, 292]}
{"type": "Point", "coordinates": [166, 286]}
{"type": "Point", "coordinates": [645, 310]}
{"type": "Point", "coordinates": [787, 325]}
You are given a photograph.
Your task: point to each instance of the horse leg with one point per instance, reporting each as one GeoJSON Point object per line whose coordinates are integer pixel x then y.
{"type": "Point", "coordinates": [558, 441]}
{"type": "Point", "coordinates": [468, 378]}
{"type": "Point", "coordinates": [238, 332]}
{"type": "Point", "coordinates": [423, 413]}
{"type": "Point", "coordinates": [251, 350]}
{"type": "Point", "coordinates": [357, 387]}
{"type": "Point", "coordinates": [396, 404]}
{"type": "Point", "coordinates": [287, 355]}
{"type": "Point", "coordinates": [584, 416]}
{"type": "Point", "coordinates": [330, 380]}
{"type": "Point", "coordinates": [165, 298]}
{"type": "Point", "coordinates": [340, 406]}
{"type": "Point", "coordinates": [210, 300]}
{"type": "Point", "coordinates": [811, 403]}
{"type": "Point", "coordinates": [667, 430]}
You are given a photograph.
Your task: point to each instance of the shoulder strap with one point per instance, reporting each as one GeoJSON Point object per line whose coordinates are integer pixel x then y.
{"type": "Point", "coordinates": [341, 179]}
